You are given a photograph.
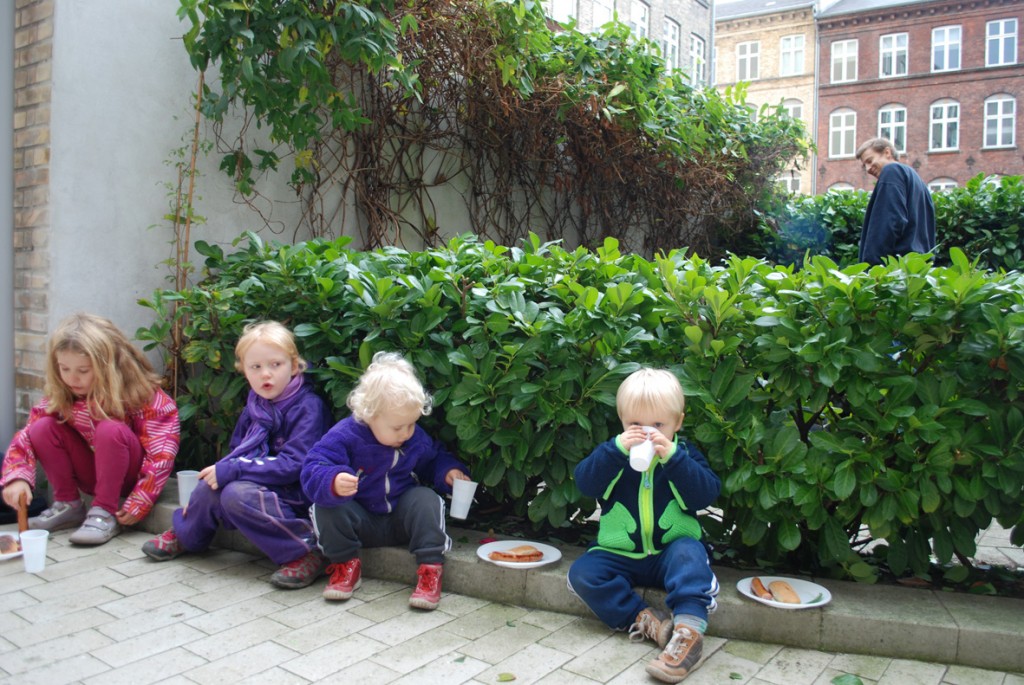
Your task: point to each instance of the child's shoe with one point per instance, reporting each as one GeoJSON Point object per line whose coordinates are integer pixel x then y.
{"type": "Point", "coordinates": [58, 516]}
{"type": "Point", "coordinates": [680, 655]}
{"type": "Point", "coordinates": [164, 546]}
{"type": "Point", "coordinates": [345, 579]}
{"type": "Point", "coordinates": [99, 527]}
{"type": "Point", "coordinates": [301, 572]}
{"type": "Point", "coordinates": [427, 594]}
{"type": "Point", "coordinates": [648, 625]}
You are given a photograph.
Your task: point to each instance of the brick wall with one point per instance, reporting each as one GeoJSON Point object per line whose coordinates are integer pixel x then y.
{"type": "Point", "coordinates": [969, 86]}
{"type": "Point", "coordinates": [33, 42]}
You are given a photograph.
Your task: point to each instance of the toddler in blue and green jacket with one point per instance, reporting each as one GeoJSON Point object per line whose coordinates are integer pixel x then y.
{"type": "Point", "coordinates": [649, 535]}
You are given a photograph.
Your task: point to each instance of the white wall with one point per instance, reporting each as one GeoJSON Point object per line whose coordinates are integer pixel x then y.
{"type": "Point", "coordinates": [122, 93]}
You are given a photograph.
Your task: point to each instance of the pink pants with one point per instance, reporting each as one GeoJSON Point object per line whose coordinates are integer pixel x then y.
{"type": "Point", "coordinates": [71, 465]}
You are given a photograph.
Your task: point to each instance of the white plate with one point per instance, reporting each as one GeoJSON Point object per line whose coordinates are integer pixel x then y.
{"type": "Point", "coordinates": [551, 554]}
{"type": "Point", "coordinates": [811, 594]}
{"type": "Point", "coordinates": [9, 555]}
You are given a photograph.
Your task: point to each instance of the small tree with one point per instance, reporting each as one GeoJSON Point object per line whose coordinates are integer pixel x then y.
{"type": "Point", "coordinates": [571, 135]}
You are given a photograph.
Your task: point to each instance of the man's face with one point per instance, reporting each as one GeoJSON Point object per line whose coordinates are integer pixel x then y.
{"type": "Point", "coordinates": [874, 161]}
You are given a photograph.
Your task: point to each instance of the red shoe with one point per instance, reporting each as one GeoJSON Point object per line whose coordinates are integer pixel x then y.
{"type": "Point", "coordinates": [427, 594]}
{"type": "Point", "coordinates": [164, 546]}
{"type": "Point", "coordinates": [345, 579]}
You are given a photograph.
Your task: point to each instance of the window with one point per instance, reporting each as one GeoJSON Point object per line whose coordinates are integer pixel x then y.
{"type": "Point", "coordinates": [844, 61]}
{"type": "Point", "coordinates": [563, 10]}
{"type": "Point", "coordinates": [793, 107]}
{"type": "Point", "coordinates": [789, 181]}
{"type": "Point", "coordinates": [892, 57]}
{"type": "Point", "coordinates": [892, 124]}
{"type": "Point", "coordinates": [698, 61]}
{"type": "Point", "coordinates": [640, 19]}
{"type": "Point", "coordinates": [1000, 121]}
{"type": "Point", "coordinates": [941, 184]}
{"type": "Point", "coordinates": [603, 11]}
{"type": "Point", "coordinates": [946, 48]}
{"type": "Point", "coordinates": [747, 58]}
{"type": "Point", "coordinates": [842, 129]}
{"type": "Point", "coordinates": [670, 45]}
{"type": "Point", "coordinates": [1001, 42]}
{"type": "Point", "coordinates": [945, 126]}
{"type": "Point", "coordinates": [840, 187]}
{"type": "Point", "coordinates": [791, 55]}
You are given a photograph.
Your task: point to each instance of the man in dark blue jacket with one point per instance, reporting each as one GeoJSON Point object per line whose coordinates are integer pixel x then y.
{"type": "Point", "coordinates": [900, 217]}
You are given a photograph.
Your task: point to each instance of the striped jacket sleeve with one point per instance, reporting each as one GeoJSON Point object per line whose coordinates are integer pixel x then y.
{"type": "Point", "coordinates": [159, 433]}
{"type": "Point", "coordinates": [20, 460]}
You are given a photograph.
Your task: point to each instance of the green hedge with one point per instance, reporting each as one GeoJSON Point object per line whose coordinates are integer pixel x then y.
{"type": "Point", "coordinates": [840, 407]}
{"type": "Point", "coordinates": [984, 219]}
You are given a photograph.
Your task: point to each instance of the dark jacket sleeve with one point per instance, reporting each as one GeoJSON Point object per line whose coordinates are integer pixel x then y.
{"type": "Point", "coordinates": [886, 218]}
{"type": "Point", "coordinates": [692, 476]}
{"type": "Point", "coordinates": [436, 463]}
{"type": "Point", "coordinates": [595, 473]}
{"type": "Point", "coordinates": [328, 458]}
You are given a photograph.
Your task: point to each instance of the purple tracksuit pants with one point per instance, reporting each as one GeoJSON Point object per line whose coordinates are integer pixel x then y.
{"type": "Point", "coordinates": [279, 527]}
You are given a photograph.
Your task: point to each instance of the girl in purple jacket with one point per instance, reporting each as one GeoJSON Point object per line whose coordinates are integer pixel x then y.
{"type": "Point", "coordinates": [255, 488]}
{"type": "Point", "coordinates": [373, 477]}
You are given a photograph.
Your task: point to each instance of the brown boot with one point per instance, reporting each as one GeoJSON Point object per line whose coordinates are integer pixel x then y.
{"type": "Point", "coordinates": [648, 625]}
{"type": "Point", "coordinates": [680, 655]}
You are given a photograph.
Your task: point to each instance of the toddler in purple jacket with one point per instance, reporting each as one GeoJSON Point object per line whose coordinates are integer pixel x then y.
{"type": "Point", "coordinates": [373, 480]}
{"type": "Point", "coordinates": [255, 488]}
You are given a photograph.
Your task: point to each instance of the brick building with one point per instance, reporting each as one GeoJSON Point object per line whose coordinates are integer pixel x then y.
{"type": "Point", "coordinates": [683, 28]}
{"type": "Point", "coordinates": [941, 79]}
{"type": "Point", "coordinates": [770, 45]}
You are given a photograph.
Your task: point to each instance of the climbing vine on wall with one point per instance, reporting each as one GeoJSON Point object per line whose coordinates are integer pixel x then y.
{"type": "Point", "coordinates": [380, 105]}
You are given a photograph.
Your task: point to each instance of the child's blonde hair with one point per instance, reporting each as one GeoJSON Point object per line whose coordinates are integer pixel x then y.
{"type": "Point", "coordinates": [123, 379]}
{"type": "Point", "coordinates": [272, 333]}
{"type": "Point", "coordinates": [650, 389]}
{"type": "Point", "coordinates": [389, 382]}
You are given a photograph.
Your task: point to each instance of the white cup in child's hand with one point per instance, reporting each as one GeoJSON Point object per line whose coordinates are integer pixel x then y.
{"type": "Point", "coordinates": [642, 454]}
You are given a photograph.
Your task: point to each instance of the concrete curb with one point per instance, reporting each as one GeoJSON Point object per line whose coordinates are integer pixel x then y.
{"type": "Point", "coordinates": [924, 625]}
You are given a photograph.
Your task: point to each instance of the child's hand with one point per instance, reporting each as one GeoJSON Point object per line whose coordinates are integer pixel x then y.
{"type": "Point", "coordinates": [662, 444]}
{"type": "Point", "coordinates": [453, 475]}
{"type": "Point", "coordinates": [209, 474]}
{"type": "Point", "coordinates": [633, 435]}
{"type": "Point", "coordinates": [13, 492]}
{"type": "Point", "coordinates": [127, 519]}
{"type": "Point", "coordinates": [346, 484]}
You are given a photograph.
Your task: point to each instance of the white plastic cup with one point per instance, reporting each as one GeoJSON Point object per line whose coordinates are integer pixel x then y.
{"type": "Point", "coordinates": [462, 497]}
{"type": "Point", "coordinates": [642, 454]}
{"type": "Point", "coordinates": [33, 550]}
{"type": "Point", "coordinates": [187, 481]}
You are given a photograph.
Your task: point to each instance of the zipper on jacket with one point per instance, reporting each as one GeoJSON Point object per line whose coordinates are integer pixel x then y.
{"type": "Point", "coordinates": [646, 507]}
{"type": "Point", "coordinates": [387, 478]}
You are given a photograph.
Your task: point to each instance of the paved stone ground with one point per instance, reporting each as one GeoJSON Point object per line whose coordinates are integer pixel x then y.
{"type": "Point", "coordinates": [109, 615]}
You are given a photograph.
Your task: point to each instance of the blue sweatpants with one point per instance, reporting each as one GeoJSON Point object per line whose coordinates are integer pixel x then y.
{"type": "Point", "coordinates": [605, 582]}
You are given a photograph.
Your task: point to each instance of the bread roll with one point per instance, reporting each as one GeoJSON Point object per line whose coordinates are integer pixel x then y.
{"type": "Point", "coordinates": [783, 592]}
{"type": "Point", "coordinates": [8, 544]}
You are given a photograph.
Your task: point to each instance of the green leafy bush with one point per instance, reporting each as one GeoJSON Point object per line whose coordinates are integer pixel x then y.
{"type": "Point", "coordinates": [840, 407]}
{"type": "Point", "coordinates": [984, 219]}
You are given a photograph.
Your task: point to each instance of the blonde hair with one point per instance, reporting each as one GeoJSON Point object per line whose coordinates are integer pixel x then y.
{"type": "Point", "coordinates": [650, 389]}
{"type": "Point", "coordinates": [389, 382]}
{"type": "Point", "coordinates": [123, 379]}
{"type": "Point", "coordinates": [272, 333]}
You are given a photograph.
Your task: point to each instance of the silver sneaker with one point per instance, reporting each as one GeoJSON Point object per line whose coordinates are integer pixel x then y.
{"type": "Point", "coordinates": [99, 527]}
{"type": "Point", "coordinates": [58, 516]}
